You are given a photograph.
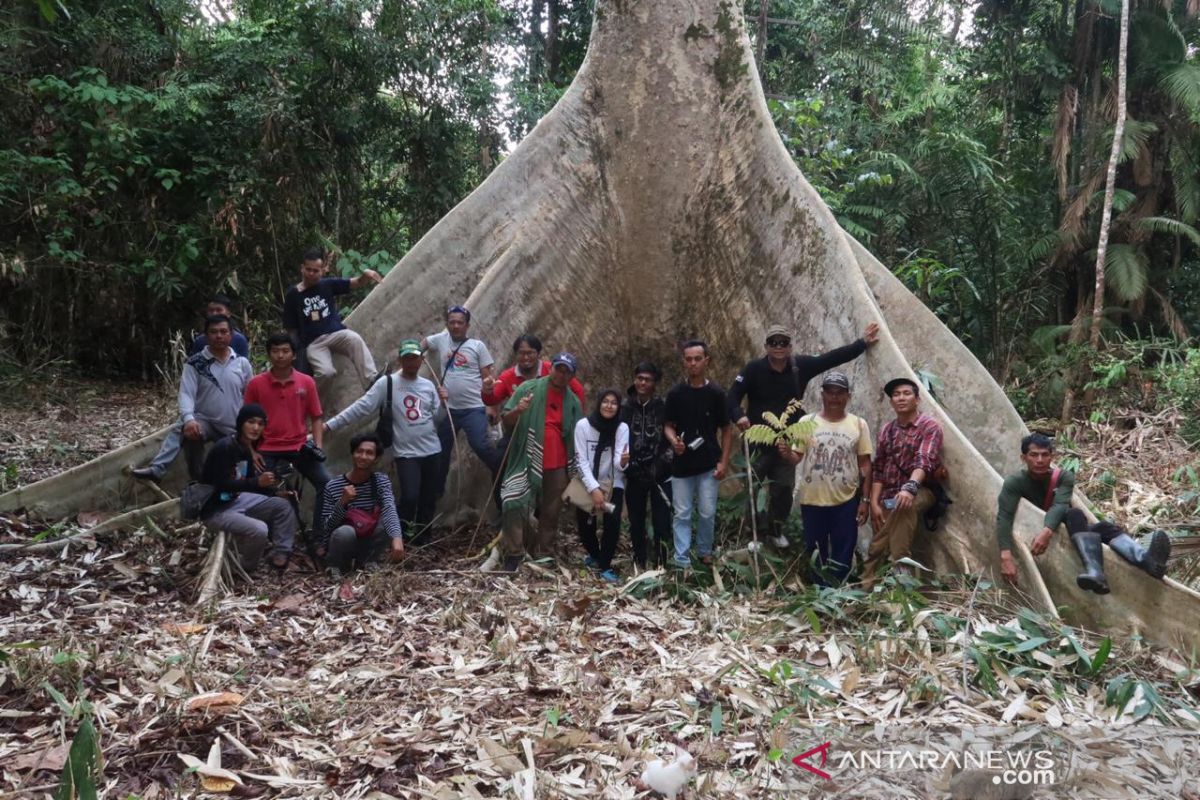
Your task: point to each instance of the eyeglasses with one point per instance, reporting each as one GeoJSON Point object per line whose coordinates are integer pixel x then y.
{"type": "Point", "coordinates": [778, 342]}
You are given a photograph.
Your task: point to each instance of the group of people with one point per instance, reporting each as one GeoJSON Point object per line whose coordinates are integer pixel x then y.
{"type": "Point", "coordinates": [659, 460]}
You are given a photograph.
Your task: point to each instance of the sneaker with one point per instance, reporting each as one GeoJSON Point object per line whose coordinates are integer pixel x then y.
{"type": "Point", "coordinates": [146, 474]}
{"type": "Point", "coordinates": [677, 564]}
{"type": "Point", "coordinates": [781, 542]}
{"type": "Point", "coordinates": [589, 562]}
{"type": "Point", "coordinates": [335, 574]}
{"type": "Point", "coordinates": [608, 576]}
{"type": "Point", "coordinates": [706, 560]}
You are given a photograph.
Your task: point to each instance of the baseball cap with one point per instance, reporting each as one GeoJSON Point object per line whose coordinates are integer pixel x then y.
{"type": "Point", "coordinates": [777, 330]}
{"type": "Point", "coordinates": [891, 385]}
{"type": "Point", "coordinates": [567, 360]}
{"type": "Point", "coordinates": [410, 347]}
{"type": "Point", "coordinates": [836, 378]}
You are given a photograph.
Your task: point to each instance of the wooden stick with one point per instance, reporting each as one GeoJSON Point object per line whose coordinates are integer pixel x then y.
{"type": "Point", "coordinates": [753, 512]}
{"type": "Point", "coordinates": [213, 569]}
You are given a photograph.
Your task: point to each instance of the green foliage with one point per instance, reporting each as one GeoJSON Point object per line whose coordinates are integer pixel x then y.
{"type": "Point", "coordinates": [773, 429]}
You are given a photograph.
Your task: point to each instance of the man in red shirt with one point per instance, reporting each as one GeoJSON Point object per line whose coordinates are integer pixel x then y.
{"type": "Point", "coordinates": [528, 350]}
{"type": "Point", "coordinates": [907, 455]}
{"type": "Point", "coordinates": [293, 414]}
{"type": "Point", "coordinates": [541, 415]}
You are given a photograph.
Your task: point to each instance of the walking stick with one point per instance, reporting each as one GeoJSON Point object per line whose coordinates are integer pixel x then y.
{"type": "Point", "coordinates": [491, 494]}
{"type": "Point", "coordinates": [437, 382]}
{"type": "Point", "coordinates": [753, 510]}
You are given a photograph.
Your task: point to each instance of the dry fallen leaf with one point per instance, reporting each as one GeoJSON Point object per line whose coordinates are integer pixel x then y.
{"type": "Point", "coordinates": [215, 702]}
{"type": "Point", "coordinates": [184, 628]}
{"type": "Point", "coordinates": [212, 776]}
{"type": "Point", "coordinates": [51, 759]}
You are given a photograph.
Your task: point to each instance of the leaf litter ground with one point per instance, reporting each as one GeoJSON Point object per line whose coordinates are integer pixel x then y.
{"type": "Point", "coordinates": [438, 681]}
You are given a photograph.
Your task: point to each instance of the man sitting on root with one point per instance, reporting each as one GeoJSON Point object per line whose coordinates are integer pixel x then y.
{"type": "Point", "coordinates": [312, 319]}
{"type": "Point", "coordinates": [907, 455]}
{"type": "Point", "coordinates": [246, 502]}
{"type": "Point", "coordinates": [542, 415]}
{"type": "Point", "coordinates": [1050, 489]}
{"type": "Point", "coordinates": [360, 522]}
{"type": "Point", "coordinates": [210, 394]}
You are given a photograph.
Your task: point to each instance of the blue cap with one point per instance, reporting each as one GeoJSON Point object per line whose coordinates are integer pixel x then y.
{"type": "Point", "coordinates": [567, 360]}
{"type": "Point", "coordinates": [458, 310]}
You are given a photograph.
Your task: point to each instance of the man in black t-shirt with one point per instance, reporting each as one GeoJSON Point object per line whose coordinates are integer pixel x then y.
{"type": "Point", "coordinates": [697, 426]}
{"type": "Point", "coordinates": [769, 384]}
{"type": "Point", "coordinates": [310, 315]}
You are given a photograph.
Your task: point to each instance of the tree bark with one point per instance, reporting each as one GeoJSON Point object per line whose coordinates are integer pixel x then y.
{"type": "Point", "coordinates": [1110, 184]}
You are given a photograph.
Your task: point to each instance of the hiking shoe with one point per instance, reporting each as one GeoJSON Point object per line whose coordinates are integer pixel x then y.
{"type": "Point", "coordinates": [677, 564]}
{"type": "Point", "coordinates": [608, 576]}
{"type": "Point", "coordinates": [146, 474]}
{"type": "Point", "coordinates": [1155, 560]}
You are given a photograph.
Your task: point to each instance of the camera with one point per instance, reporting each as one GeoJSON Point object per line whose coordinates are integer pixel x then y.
{"type": "Point", "coordinates": [311, 450]}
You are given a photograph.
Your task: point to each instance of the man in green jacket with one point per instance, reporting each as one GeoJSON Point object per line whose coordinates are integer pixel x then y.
{"type": "Point", "coordinates": [1050, 489]}
{"type": "Point", "coordinates": [541, 415]}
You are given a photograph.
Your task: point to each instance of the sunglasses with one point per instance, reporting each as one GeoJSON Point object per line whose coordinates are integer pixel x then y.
{"type": "Point", "coordinates": [778, 342]}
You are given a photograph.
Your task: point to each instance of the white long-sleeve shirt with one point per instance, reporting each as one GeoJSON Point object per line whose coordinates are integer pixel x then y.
{"type": "Point", "coordinates": [586, 439]}
{"type": "Point", "coordinates": [414, 404]}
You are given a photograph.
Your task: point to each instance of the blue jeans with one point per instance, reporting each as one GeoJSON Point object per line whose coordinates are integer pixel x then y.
{"type": "Point", "coordinates": [192, 450]}
{"type": "Point", "coordinates": [474, 423]}
{"type": "Point", "coordinates": [832, 531]}
{"type": "Point", "coordinates": [694, 491]}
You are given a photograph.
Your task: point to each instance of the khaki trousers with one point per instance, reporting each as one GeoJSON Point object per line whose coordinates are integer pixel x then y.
{"type": "Point", "coordinates": [894, 540]}
{"type": "Point", "coordinates": [347, 343]}
{"type": "Point", "coordinates": [513, 524]}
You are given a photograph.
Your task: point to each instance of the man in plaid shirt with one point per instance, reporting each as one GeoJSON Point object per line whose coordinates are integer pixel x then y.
{"type": "Point", "coordinates": [908, 453]}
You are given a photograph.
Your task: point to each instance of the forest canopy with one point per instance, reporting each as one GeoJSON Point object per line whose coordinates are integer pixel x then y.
{"type": "Point", "coordinates": [155, 151]}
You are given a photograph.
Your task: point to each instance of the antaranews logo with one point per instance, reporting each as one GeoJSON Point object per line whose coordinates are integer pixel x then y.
{"type": "Point", "coordinates": [1011, 767]}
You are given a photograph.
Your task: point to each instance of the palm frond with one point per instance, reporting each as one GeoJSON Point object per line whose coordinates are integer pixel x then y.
{"type": "Point", "coordinates": [1182, 84]}
{"type": "Point", "coordinates": [1064, 129]}
{"type": "Point", "coordinates": [1126, 271]}
{"type": "Point", "coordinates": [1170, 316]}
{"type": "Point", "coordinates": [1169, 226]}
{"type": "Point", "coordinates": [1185, 177]}
{"type": "Point", "coordinates": [1137, 136]}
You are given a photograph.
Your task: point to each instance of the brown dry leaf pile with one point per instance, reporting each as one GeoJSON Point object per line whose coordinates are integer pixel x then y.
{"type": "Point", "coordinates": [440, 682]}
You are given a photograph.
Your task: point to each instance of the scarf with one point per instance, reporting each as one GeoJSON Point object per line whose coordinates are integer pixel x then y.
{"type": "Point", "coordinates": [607, 429]}
{"type": "Point", "coordinates": [521, 486]}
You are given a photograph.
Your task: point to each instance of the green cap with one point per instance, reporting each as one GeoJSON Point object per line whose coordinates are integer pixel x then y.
{"type": "Point", "coordinates": [410, 347]}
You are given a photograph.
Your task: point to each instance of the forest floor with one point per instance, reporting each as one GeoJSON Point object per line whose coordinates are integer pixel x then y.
{"type": "Point", "coordinates": [438, 681]}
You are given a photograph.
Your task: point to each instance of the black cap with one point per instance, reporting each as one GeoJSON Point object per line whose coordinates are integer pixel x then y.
{"type": "Point", "coordinates": [891, 385]}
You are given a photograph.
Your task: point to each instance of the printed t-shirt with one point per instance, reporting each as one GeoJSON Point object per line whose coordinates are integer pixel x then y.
{"type": "Point", "coordinates": [697, 413]}
{"type": "Point", "coordinates": [554, 449]}
{"type": "Point", "coordinates": [289, 405]}
{"type": "Point", "coordinates": [829, 471]}
{"type": "Point", "coordinates": [313, 311]}
{"type": "Point", "coordinates": [462, 379]}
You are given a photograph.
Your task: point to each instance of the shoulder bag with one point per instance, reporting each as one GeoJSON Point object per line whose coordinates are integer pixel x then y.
{"type": "Point", "coordinates": [384, 428]}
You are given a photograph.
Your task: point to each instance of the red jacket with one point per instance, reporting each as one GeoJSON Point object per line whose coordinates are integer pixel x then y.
{"type": "Point", "coordinates": [510, 379]}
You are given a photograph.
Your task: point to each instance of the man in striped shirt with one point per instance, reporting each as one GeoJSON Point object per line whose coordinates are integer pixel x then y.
{"type": "Point", "coordinates": [908, 453]}
{"type": "Point", "coordinates": [360, 512]}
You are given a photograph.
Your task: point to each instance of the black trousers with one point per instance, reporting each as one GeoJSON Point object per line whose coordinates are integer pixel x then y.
{"type": "Point", "coordinates": [313, 471]}
{"type": "Point", "coordinates": [602, 552]}
{"type": "Point", "coordinates": [639, 493]}
{"type": "Point", "coordinates": [780, 477]}
{"type": "Point", "coordinates": [417, 481]}
{"type": "Point", "coordinates": [1076, 522]}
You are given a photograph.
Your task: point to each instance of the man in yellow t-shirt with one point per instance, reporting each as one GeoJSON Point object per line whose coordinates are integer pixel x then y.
{"type": "Point", "coordinates": [835, 465]}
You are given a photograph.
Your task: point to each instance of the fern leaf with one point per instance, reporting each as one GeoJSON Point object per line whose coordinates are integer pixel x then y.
{"type": "Point", "coordinates": [761, 434]}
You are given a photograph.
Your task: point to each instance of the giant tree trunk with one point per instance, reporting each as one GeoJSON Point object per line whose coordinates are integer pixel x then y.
{"type": "Point", "coordinates": [655, 203]}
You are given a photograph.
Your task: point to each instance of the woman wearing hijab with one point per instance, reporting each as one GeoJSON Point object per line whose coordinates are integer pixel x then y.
{"type": "Point", "coordinates": [601, 454]}
{"type": "Point", "coordinates": [246, 502]}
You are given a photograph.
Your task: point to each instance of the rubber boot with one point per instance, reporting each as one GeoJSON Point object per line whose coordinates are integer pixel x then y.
{"type": "Point", "coordinates": [1091, 553]}
{"type": "Point", "coordinates": [1152, 560]}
